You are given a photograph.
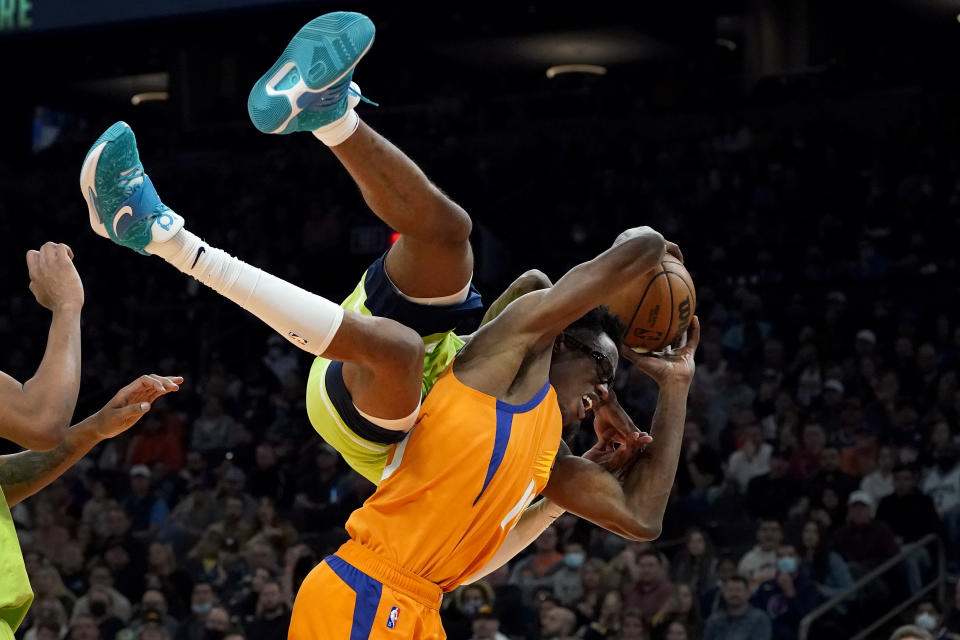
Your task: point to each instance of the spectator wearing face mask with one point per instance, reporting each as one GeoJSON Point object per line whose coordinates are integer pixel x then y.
{"type": "Point", "coordinates": [788, 596]}
{"type": "Point", "coordinates": [536, 570]}
{"type": "Point", "coordinates": [217, 625]}
{"type": "Point", "coordinates": [567, 581]}
{"type": "Point", "coordinates": [202, 601]}
{"type": "Point", "coordinates": [928, 618]}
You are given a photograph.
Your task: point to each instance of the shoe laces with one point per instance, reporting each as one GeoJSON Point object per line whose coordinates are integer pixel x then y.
{"type": "Point", "coordinates": [131, 179]}
{"type": "Point", "coordinates": [333, 95]}
{"type": "Point", "coordinates": [357, 94]}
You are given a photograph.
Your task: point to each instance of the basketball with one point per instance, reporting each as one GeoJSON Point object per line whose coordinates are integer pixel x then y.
{"type": "Point", "coordinates": [657, 308]}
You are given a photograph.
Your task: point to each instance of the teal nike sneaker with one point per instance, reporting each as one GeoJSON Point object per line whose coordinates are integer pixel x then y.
{"type": "Point", "coordinates": [123, 204]}
{"type": "Point", "coordinates": [309, 85]}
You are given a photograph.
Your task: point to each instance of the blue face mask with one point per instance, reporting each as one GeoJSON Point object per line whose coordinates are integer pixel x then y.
{"type": "Point", "coordinates": [787, 564]}
{"type": "Point", "coordinates": [201, 609]}
{"type": "Point", "coordinates": [573, 560]}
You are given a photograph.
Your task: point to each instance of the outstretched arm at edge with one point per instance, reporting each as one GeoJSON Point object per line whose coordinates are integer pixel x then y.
{"type": "Point", "coordinates": [24, 474]}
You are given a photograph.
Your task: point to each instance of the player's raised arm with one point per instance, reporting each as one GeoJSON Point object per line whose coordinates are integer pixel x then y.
{"type": "Point", "coordinates": [37, 413]}
{"type": "Point", "coordinates": [546, 313]}
{"type": "Point", "coordinates": [634, 510]}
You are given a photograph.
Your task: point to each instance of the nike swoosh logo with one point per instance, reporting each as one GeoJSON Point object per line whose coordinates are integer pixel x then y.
{"type": "Point", "coordinates": [199, 252]}
{"type": "Point", "coordinates": [125, 211]}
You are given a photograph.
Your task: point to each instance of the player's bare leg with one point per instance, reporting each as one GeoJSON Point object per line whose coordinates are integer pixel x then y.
{"type": "Point", "coordinates": [310, 88]}
{"type": "Point", "coordinates": [386, 357]}
{"type": "Point", "coordinates": [433, 257]}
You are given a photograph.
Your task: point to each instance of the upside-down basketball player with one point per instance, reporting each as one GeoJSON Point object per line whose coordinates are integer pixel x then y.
{"type": "Point", "coordinates": [489, 432]}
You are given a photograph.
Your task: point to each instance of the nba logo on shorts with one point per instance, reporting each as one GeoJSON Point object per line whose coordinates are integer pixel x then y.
{"type": "Point", "coordinates": [392, 620]}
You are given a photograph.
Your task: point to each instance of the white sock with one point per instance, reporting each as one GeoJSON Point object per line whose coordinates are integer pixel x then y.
{"type": "Point", "coordinates": [305, 319]}
{"type": "Point", "coordinates": [338, 131]}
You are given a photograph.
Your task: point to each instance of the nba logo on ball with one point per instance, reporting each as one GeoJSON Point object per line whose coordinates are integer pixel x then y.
{"type": "Point", "coordinates": [392, 620]}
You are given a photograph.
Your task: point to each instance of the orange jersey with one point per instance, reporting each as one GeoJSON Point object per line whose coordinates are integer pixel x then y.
{"type": "Point", "coordinates": [457, 484]}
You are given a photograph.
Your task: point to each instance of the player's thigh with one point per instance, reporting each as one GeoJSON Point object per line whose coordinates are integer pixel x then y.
{"type": "Point", "coordinates": [429, 269]}
{"type": "Point", "coordinates": [330, 407]}
{"type": "Point", "coordinates": [378, 295]}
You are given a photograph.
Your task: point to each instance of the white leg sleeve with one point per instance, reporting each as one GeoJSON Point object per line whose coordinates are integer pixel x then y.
{"type": "Point", "coordinates": [305, 319]}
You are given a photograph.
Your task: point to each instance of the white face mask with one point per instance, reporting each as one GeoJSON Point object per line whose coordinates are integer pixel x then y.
{"type": "Point", "coordinates": [926, 621]}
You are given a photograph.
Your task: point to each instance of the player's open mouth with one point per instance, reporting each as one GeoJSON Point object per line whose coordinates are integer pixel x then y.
{"type": "Point", "coordinates": [587, 403]}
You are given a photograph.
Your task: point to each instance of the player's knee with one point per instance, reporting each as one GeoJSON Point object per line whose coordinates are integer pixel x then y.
{"type": "Point", "coordinates": [453, 225]}
{"type": "Point", "coordinates": [398, 348]}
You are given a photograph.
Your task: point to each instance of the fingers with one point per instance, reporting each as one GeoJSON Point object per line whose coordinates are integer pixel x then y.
{"type": "Point", "coordinates": [694, 336]}
{"type": "Point", "coordinates": [674, 250]}
{"type": "Point", "coordinates": [33, 261]}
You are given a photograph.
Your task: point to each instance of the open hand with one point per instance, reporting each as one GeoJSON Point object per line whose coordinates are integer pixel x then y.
{"type": "Point", "coordinates": [132, 402]}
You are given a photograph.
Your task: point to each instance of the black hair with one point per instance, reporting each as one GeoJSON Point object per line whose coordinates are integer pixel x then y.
{"type": "Point", "coordinates": [600, 320]}
{"type": "Point", "coordinates": [740, 579]}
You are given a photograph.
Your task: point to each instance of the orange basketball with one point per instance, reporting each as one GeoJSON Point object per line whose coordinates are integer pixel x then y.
{"type": "Point", "coordinates": [657, 308]}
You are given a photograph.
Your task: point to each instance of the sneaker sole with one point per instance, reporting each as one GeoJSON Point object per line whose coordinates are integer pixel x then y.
{"type": "Point", "coordinates": [88, 174]}
{"type": "Point", "coordinates": [308, 66]}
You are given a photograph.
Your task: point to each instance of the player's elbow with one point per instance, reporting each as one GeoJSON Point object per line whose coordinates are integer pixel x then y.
{"type": "Point", "coordinates": [533, 280]}
{"type": "Point", "coordinates": [642, 531]}
{"type": "Point", "coordinates": [49, 435]}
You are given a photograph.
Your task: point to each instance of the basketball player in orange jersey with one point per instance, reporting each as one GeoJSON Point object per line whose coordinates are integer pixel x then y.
{"type": "Point", "coordinates": [451, 489]}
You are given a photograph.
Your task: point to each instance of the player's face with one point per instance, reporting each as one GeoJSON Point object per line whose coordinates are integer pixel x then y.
{"type": "Point", "coordinates": [581, 372]}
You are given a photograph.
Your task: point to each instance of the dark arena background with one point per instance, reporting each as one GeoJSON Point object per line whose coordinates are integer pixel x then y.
{"type": "Point", "coordinates": [803, 154]}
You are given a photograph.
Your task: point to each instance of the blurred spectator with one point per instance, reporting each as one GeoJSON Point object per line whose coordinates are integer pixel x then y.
{"type": "Point", "coordinates": [649, 589]}
{"type": "Point", "coordinates": [769, 495]}
{"type": "Point", "coordinates": [486, 625]}
{"type": "Point", "coordinates": [558, 623]}
{"type": "Point", "coordinates": [832, 477]}
{"type": "Point", "coordinates": [84, 627]}
{"type": "Point", "coordinates": [202, 601]}
{"type": "Point", "coordinates": [879, 482]}
{"type": "Point", "coordinates": [827, 569]}
{"type": "Point", "coordinates": [632, 625]}
{"type": "Point", "coordinates": [272, 618]}
{"type": "Point", "coordinates": [696, 563]}
{"type": "Point", "coordinates": [760, 563]}
{"type": "Point", "coordinates": [269, 528]}
{"type": "Point", "coordinates": [567, 581]}
{"type": "Point", "coordinates": [805, 462]}
{"type": "Point", "coordinates": [463, 606]}
{"type": "Point", "coordinates": [537, 569]}
{"type": "Point", "coordinates": [788, 597]}
{"type": "Point", "coordinates": [683, 606]}
{"type": "Point", "coordinates": [951, 622]}
{"type": "Point", "coordinates": [101, 583]}
{"type": "Point", "coordinates": [217, 624]}
{"type": "Point", "coordinates": [751, 459]}
{"type": "Point", "coordinates": [46, 583]}
{"type": "Point", "coordinates": [911, 632]}
{"type": "Point", "coordinates": [214, 430]}
{"type": "Point", "coordinates": [737, 619]}
{"type": "Point", "coordinates": [862, 541]}
{"type": "Point", "coordinates": [153, 611]}
{"type": "Point", "coordinates": [909, 513]}
{"type": "Point", "coordinates": [164, 576]}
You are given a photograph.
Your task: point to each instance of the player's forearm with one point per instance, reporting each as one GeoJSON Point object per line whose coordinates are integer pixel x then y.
{"type": "Point", "coordinates": [24, 474]}
{"type": "Point", "coordinates": [648, 485]}
{"type": "Point", "coordinates": [591, 283]}
{"type": "Point", "coordinates": [534, 521]}
{"type": "Point", "coordinates": [50, 396]}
